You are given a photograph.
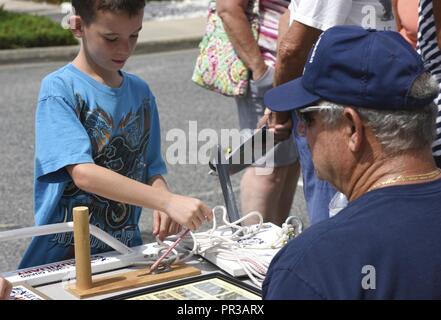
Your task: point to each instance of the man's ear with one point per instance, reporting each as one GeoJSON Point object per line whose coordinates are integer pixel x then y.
{"type": "Point", "coordinates": [76, 26]}
{"type": "Point", "coordinates": [354, 129]}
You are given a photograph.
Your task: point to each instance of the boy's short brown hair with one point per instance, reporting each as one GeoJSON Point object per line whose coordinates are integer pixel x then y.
{"type": "Point", "coordinates": [87, 9]}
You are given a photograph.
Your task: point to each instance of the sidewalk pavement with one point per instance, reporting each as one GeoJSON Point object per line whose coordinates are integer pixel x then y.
{"type": "Point", "coordinates": [155, 36]}
{"type": "Point", "coordinates": [30, 7]}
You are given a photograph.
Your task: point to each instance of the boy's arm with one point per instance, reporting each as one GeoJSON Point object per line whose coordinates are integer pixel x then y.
{"type": "Point", "coordinates": [163, 226]}
{"type": "Point", "coordinates": [106, 183]}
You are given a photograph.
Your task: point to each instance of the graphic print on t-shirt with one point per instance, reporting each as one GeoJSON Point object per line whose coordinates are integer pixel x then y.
{"type": "Point", "coordinates": [120, 149]}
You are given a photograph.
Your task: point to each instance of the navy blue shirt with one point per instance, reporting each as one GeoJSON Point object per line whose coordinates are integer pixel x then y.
{"type": "Point", "coordinates": [384, 245]}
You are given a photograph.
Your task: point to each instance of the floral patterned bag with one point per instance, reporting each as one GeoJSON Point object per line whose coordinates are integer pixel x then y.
{"type": "Point", "coordinates": [218, 68]}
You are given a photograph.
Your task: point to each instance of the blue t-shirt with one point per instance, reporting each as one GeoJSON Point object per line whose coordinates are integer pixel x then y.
{"type": "Point", "coordinates": [384, 245]}
{"type": "Point", "coordinates": [79, 120]}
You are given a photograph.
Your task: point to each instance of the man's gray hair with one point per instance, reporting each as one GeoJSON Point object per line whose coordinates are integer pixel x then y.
{"type": "Point", "coordinates": [397, 131]}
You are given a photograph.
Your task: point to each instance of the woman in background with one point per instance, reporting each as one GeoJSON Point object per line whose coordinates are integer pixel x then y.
{"type": "Point", "coordinates": [270, 192]}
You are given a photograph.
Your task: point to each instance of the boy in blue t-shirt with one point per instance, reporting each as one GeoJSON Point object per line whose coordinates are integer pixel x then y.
{"type": "Point", "coordinates": [98, 140]}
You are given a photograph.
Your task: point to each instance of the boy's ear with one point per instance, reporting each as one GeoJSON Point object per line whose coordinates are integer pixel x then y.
{"type": "Point", "coordinates": [76, 26]}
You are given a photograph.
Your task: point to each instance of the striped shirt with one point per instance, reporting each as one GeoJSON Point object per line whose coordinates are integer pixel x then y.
{"type": "Point", "coordinates": [431, 54]}
{"type": "Point", "coordinates": [270, 12]}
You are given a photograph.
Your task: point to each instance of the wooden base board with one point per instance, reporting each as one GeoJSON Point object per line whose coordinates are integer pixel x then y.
{"type": "Point", "coordinates": [132, 279]}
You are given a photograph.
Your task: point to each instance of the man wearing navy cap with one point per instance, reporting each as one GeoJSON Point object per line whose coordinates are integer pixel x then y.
{"type": "Point", "coordinates": [304, 22]}
{"type": "Point", "coordinates": [369, 123]}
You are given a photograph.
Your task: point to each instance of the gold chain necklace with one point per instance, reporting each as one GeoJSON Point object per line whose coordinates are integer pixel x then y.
{"type": "Point", "coordinates": [417, 177]}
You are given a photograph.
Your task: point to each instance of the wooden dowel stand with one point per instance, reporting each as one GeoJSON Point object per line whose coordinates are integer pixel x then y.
{"type": "Point", "coordinates": [82, 248]}
{"type": "Point", "coordinates": [85, 287]}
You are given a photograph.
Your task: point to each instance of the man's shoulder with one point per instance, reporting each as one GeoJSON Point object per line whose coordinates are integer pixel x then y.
{"type": "Point", "coordinates": [311, 239]}
{"type": "Point", "coordinates": [366, 218]}
{"type": "Point", "coordinates": [328, 236]}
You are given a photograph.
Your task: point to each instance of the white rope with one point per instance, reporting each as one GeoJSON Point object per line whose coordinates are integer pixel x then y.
{"type": "Point", "coordinates": [227, 242]}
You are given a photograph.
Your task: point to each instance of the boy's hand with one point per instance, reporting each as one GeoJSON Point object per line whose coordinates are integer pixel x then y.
{"type": "Point", "coordinates": [163, 225]}
{"type": "Point", "coordinates": [187, 211]}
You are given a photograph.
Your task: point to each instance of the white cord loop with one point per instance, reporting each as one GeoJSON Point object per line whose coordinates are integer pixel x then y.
{"type": "Point", "coordinates": [229, 242]}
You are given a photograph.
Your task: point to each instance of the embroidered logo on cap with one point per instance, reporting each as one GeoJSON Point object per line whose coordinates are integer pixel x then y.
{"type": "Point", "coordinates": [311, 60]}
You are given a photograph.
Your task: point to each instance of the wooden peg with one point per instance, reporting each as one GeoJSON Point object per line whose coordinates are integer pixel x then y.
{"type": "Point", "coordinates": [82, 248]}
{"type": "Point", "coordinates": [85, 287]}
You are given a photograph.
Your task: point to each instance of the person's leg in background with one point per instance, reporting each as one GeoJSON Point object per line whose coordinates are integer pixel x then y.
{"type": "Point", "coordinates": [271, 195]}
{"type": "Point", "coordinates": [269, 191]}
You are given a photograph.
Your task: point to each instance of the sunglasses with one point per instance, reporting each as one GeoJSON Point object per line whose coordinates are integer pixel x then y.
{"type": "Point", "coordinates": [304, 115]}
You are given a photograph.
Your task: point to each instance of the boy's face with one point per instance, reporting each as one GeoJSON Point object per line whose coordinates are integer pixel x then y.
{"type": "Point", "coordinates": [111, 37]}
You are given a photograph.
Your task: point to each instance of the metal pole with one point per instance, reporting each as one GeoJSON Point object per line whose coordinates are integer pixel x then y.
{"type": "Point", "coordinates": [227, 189]}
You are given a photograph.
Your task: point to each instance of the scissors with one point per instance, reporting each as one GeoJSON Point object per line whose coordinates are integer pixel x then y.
{"type": "Point", "coordinates": [162, 264]}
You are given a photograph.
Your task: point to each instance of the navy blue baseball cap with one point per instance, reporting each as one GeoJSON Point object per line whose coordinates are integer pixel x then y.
{"type": "Point", "coordinates": [353, 66]}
